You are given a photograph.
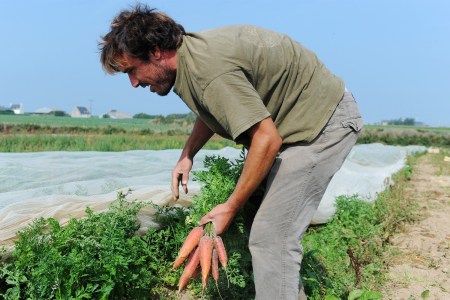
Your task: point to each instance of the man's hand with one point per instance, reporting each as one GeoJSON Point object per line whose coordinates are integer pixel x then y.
{"type": "Point", "coordinates": [181, 174]}
{"type": "Point", "coordinates": [198, 138]}
{"type": "Point", "coordinates": [221, 217]}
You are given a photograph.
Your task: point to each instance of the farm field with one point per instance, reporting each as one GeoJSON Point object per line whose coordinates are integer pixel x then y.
{"type": "Point", "coordinates": [135, 124]}
{"type": "Point", "coordinates": [408, 128]}
{"type": "Point", "coordinates": [19, 121]}
{"type": "Point", "coordinates": [50, 133]}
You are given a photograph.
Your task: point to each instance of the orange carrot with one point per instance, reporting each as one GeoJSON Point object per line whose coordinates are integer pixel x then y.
{"type": "Point", "coordinates": [215, 265]}
{"type": "Point", "coordinates": [189, 269]}
{"type": "Point", "coordinates": [206, 247]}
{"type": "Point", "coordinates": [189, 244]}
{"type": "Point", "coordinates": [197, 271]}
{"type": "Point", "coordinates": [221, 251]}
{"type": "Point", "coordinates": [215, 269]}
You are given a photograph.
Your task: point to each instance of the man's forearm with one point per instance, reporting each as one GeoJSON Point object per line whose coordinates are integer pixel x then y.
{"type": "Point", "coordinates": [264, 148]}
{"type": "Point", "coordinates": [198, 138]}
{"type": "Point", "coordinates": [265, 143]}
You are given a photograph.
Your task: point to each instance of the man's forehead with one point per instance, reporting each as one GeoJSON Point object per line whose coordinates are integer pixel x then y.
{"type": "Point", "coordinates": [125, 61]}
{"type": "Point", "coordinates": [122, 61]}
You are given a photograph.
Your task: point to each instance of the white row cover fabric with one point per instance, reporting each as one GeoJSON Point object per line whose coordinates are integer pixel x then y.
{"type": "Point", "coordinates": [62, 184]}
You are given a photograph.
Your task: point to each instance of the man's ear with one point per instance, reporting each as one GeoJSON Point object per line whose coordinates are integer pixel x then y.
{"type": "Point", "coordinates": [155, 55]}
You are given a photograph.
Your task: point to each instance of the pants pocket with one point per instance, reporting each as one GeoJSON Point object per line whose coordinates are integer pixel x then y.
{"type": "Point", "coordinates": [354, 123]}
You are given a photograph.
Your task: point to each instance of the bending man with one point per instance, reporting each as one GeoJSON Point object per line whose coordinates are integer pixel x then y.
{"type": "Point", "coordinates": [260, 89]}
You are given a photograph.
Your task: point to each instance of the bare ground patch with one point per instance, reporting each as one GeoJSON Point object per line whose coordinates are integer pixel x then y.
{"type": "Point", "coordinates": [420, 268]}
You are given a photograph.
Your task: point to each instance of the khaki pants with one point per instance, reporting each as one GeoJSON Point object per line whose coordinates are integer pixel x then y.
{"type": "Point", "coordinates": [295, 186]}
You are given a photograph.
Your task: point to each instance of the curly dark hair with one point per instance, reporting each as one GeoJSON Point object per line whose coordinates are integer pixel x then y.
{"type": "Point", "coordinates": [138, 32]}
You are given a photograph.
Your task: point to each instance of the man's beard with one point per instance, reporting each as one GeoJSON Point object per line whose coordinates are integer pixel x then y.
{"type": "Point", "coordinates": [166, 81]}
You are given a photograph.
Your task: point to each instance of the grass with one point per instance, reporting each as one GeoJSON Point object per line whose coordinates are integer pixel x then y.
{"type": "Point", "coordinates": [114, 142]}
{"type": "Point", "coordinates": [406, 135]}
{"type": "Point", "coordinates": [408, 128]}
{"type": "Point", "coordinates": [24, 122]}
{"type": "Point", "coordinates": [442, 168]}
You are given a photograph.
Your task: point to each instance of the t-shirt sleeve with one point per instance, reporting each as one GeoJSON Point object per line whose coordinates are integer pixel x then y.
{"type": "Point", "coordinates": [234, 103]}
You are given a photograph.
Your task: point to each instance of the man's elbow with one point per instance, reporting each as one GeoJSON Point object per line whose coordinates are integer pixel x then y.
{"type": "Point", "coordinates": [275, 144]}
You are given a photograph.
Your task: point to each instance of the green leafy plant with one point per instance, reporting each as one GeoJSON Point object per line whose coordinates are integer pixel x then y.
{"type": "Point", "coordinates": [96, 257]}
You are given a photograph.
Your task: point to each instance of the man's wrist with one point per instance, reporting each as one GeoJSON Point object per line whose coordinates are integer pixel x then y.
{"type": "Point", "coordinates": [233, 205]}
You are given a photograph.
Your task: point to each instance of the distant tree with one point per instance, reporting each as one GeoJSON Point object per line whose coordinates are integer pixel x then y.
{"type": "Point", "coordinates": [59, 113]}
{"type": "Point", "coordinates": [188, 116]}
{"type": "Point", "coordinates": [406, 121]}
{"type": "Point", "coordinates": [6, 112]}
{"type": "Point", "coordinates": [147, 116]}
{"type": "Point", "coordinates": [409, 121]}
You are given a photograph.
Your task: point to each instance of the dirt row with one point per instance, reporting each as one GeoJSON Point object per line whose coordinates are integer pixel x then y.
{"type": "Point", "coordinates": [420, 269]}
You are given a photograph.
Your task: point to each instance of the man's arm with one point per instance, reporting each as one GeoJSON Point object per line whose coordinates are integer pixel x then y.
{"type": "Point", "coordinates": [265, 143]}
{"type": "Point", "coordinates": [198, 138]}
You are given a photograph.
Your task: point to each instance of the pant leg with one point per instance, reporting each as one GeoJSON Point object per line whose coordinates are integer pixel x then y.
{"type": "Point", "coordinates": [295, 186]}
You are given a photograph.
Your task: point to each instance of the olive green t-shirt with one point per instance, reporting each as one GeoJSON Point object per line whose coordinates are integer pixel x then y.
{"type": "Point", "coordinates": [233, 77]}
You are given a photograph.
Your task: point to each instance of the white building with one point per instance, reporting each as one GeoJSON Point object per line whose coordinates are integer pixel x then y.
{"type": "Point", "coordinates": [114, 114]}
{"type": "Point", "coordinates": [17, 109]}
{"type": "Point", "coordinates": [44, 110]}
{"type": "Point", "coordinates": [80, 112]}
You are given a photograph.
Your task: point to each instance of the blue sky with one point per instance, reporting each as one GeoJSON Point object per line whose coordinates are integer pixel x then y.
{"type": "Point", "coordinates": [392, 54]}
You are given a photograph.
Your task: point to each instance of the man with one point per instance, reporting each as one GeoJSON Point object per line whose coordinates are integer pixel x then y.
{"type": "Point", "coordinates": [263, 90]}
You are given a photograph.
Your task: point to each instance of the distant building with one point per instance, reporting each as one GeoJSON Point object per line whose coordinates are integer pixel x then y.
{"type": "Point", "coordinates": [44, 110]}
{"type": "Point", "coordinates": [17, 109]}
{"type": "Point", "coordinates": [114, 114]}
{"type": "Point", "coordinates": [80, 112]}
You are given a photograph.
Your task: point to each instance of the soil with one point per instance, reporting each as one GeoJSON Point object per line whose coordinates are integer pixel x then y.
{"type": "Point", "coordinates": [420, 269]}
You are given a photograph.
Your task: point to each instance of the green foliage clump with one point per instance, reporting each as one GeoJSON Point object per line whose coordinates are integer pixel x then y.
{"type": "Point", "coordinates": [97, 257]}
{"type": "Point", "coordinates": [342, 255]}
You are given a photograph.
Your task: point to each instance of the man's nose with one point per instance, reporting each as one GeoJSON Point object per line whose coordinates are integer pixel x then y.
{"type": "Point", "coordinates": [133, 80]}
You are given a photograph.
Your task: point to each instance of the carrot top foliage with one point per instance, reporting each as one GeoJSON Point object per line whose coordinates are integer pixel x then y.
{"type": "Point", "coordinates": [96, 257]}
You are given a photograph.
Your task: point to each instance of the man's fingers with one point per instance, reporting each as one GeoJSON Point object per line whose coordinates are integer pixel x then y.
{"type": "Point", "coordinates": [175, 183]}
{"type": "Point", "coordinates": [205, 219]}
{"type": "Point", "coordinates": [184, 180]}
{"type": "Point", "coordinates": [178, 177]}
{"type": "Point", "coordinates": [185, 188]}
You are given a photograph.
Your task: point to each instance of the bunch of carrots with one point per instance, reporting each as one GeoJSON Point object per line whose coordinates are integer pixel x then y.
{"type": "Point", "coordinates": [203, 250]}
